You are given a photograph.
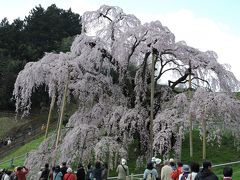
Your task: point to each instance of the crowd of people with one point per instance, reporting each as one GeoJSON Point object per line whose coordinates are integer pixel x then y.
{"type": "Point", "coordinates": [155, 170]}
{"type": "Point", "coordinates": [169, 170]}
{"type": "Point", "coordinates": [64, 172]}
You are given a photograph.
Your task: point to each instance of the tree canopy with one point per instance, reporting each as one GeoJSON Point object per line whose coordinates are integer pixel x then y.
{"type": "Point", "coordinates": [108, 72]}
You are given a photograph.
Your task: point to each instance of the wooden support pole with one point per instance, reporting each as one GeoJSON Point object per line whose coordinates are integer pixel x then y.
{"type": "Point", "coordinates": [190, 115]}
{"type": "Point", "coordinates": [152, 105]}
{"type": "Point", "coordinates": [204, 134]}
{"type": "Point", "coordinates": [50, 114]}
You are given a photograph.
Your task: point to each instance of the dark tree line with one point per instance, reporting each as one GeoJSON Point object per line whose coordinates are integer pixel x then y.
{"type": "Point", "coordinates": [43, 30]}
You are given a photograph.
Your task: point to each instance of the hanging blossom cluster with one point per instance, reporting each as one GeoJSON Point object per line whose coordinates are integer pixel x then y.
{"type": "Point", "coordinates": [113, 98]}
{"type": "Point", "coordinates": [220, 110]}
{"type": "Point", "coordinates": [171, 123]}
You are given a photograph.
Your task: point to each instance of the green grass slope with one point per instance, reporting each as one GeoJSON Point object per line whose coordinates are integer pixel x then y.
{"type": "Point", "coordinates": [19, 155]}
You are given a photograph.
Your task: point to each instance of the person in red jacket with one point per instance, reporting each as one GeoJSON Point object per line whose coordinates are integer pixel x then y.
{"type": "Point", "coordinates": [175, 174]}
{"type": "Point", "coordinates": [69, 175]}
{"type": "Point", "coordinates": [21, 173]}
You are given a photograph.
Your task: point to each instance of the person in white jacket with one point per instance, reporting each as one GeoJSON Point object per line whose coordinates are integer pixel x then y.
{"type": "Point", "coordinates": [5, 176]}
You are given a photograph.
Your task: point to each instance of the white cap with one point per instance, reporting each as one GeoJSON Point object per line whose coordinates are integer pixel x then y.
{"type": "Point", "coordinates": [69, 170]}
{"type": "Point", "coordinates": [171, 160]}
{"type": "Point", "coordinates": [123, 162]}
{"type": "Point", "coordinates": [158, 161]}
{"type": "Point", "coordinates": [153, 159]}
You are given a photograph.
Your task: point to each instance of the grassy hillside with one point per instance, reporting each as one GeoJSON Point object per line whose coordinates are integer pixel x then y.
{"type": "Point", "coordinates": [224, 153]}
{"type": "Point", "coordinates": [20, 154]}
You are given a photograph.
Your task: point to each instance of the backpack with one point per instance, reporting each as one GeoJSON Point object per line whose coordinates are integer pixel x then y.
{"type": "Point", "coordinates": [150, 176]}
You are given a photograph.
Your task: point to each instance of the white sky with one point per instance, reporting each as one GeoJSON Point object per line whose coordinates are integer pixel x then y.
{"type": "Point", "coordinates": [210, 25]}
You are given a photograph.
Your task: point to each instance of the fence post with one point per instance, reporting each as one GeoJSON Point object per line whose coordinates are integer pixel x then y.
{"type": "Point", "coordinates": [11, 162]}
{"type": "Point", "coordinates": [131, 176]}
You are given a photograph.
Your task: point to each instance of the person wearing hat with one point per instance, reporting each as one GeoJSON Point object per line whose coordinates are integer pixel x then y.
{"type": "Point", "coordinates": [122, 170]}
{"type": "Point", "coordinates": [206, 172]}
{"type": "Point", "coordinates": [70, 175]}
{"type": "Point", "coordinates": [159, 167]}
{"type": "Point", "coordinates": [185, 173]}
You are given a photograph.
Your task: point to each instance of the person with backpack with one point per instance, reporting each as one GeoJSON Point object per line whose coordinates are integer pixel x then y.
{"type": "Point", "coordinates": [175, 174]}
{"type": "Point", "coordinates": [150, 173]}
{"type": "Point", "coordinates": [80, 172]}
{"type": "Point", "coordinates": [185, 173]}
{"type": "Point", "coordinates": [45, 172]}
{"type": "Point", "coordinates": [122, 170]}
{"type": "Point", "coordinates": [57, 174]}
{"type": "Point", "coordinates": [69, 175]}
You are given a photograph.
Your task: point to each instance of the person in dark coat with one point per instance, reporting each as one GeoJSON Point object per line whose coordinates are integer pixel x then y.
{"type": "Point", "coordinates": [80, 172]}
{"type": "Point", "coordinates": [45, 172]}
{"type": "Point", "coordinates": [97, 172]}
{"type": "Point", "coordinates": [227, 173]}
{"type": "Point", "coordinates": [206, 173]}
{"type": "Point", "coordinates": [105, 171]}
{"type": "Point", "coordinates": [89, 172]}
{"type": "Point", "coordinates": [64, 168]}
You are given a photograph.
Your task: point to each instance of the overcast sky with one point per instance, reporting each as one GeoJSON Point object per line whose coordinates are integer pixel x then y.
{"type": "Point", "coordinates": [203, 24]}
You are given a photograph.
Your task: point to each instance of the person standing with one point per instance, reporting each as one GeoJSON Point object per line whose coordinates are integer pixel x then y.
{"type": "Point", "coordinates": [166, 171]}
{"type": "Point", "coordinates": [105, 171]}
{"type": "Point", "coordinates": [21, 173]}
{"type": "Point", "coordinates": [227, 173]}
{"type": "Point", "coordinates": [69, 175]}
{"type": "Point", "coordinates": [159, 167]}
{"type": "Point", "coordinates": [194, 170]}
{"type": "Point", "coordinates": [97, 172]}
{"type": "Point", "coordinates": [64, 168]}
{"type": "Point", "coordinates": [45, 172]}
{"type": "Point", "coordinates": [5, 176]}
{"type": "Point", "coordinates": [186, 175]}
{"type": "Point", "coordinates": [150, 172]}
{"type": "Point", "coordinates": [57, 174]}
{"type": "Point", "coordinates": [89, 172]}
{"type": "Point", "coordinates": [80, 172]}
{"type": "Point", "coordinates": [122, 170]}
{"type": "Point", "coordinates": [206, 173]}
{"type": "Point", "coordinates": [175, 174]}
